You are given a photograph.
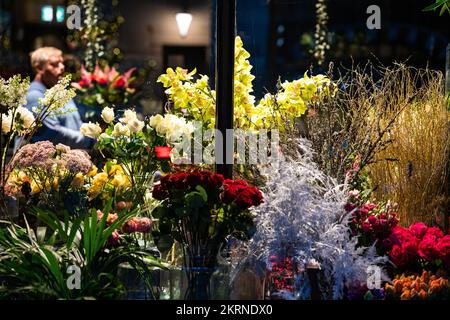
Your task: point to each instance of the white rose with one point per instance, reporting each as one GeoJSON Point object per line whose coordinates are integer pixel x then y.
{"type": "Point", "coordinates": [91, 130]}
{"type": "Point", "coordinates": [26, 117]}
{"type": "Point", "coordinates": [104, 135]}
{"type": "Point", "coordinates": [129, 115]}
{"type": "Point", "coordinates": [136, 125]}
{"type": "Point", "coordinates": [6, 123]}
{"type": "Point", "coordinates": [108, 114]}
{"type": "Point", "coordinates": [156, 120]}
{"type": "Point", "coordinates": [121, 130]}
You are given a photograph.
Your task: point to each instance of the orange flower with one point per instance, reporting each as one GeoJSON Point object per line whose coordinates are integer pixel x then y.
{"type": "Point", "coordinates": [406, 295]}
{"type": "Point", "coordinates": [423, 294]}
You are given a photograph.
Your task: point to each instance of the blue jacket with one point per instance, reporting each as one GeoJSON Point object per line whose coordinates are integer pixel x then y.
{"type": "Point", "coordinates": [63, 129]}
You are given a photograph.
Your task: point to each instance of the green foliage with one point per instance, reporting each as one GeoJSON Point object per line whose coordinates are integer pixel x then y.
{"type": "Point", "coordinates": [444, 6]}
{"type": "Point", "coordinates": [34, 263]}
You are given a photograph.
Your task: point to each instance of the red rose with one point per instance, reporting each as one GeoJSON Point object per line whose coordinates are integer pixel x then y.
{"type": "Point", "coordinates": [434, 232]}
{"type": "Point", "coordinates": [194, 179]}
{"type": "Point", "coordinates": [369, 206]}
{"type": "Point", "coordinates": [159, 192]}
{"type": "Point", "coordinates": [373, 220]}
{"type": "Point", "coordinates": [443, 247]}
{"type": "Point", "coordinates": [215, 181]}
{"type": "Point", "coordinates": [394, 222]}
{"type": "Point", "coordinates": [398, 256]}
{"type": "Point", "coordinates": [367, 227]}
{"type": "Point", "coordinates": [428, 248]}
{"type": "Point", "coordinates": [179, 180]}
{"type": "Point", "coordinates": [418, 229]}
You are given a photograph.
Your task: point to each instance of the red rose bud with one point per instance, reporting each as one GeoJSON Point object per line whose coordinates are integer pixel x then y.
{"type": "Point", "coordinates": [163, 152]}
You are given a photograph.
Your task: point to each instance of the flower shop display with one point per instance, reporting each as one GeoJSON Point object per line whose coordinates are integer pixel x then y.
{"type": "Point", "coordinates": [104, 86]}
{"type": "Point", "coordinates": [200, 209]}
{"type": "Point", "coordinates": [303, 218]}
{"type": "Point", "coordinates": [17, 121]}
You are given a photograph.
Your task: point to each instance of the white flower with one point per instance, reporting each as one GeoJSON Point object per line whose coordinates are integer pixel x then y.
{"type": "Point", "coordinates": [13, 92]}
{"type": "Point", "coordinates": [26, 119]}
{"type": "Point", "coordinates": [104, 135]}
{"type": "Point", "coordinates": [135, 125]}
{"type": "Point", "coordinates": [156, 120]}
{"type": "Point", "coordinates": [57, 96]}
{"type": "Point", "coordinates": [172, 127]}
{"type": "Point", "coordinates": [91, 130]}
{"type": "Point", "coordinates": [108, 114]}
{"type": "Point", "coordinates": [121, 130]}
{"type": "Point", "coordinates": [129, 115]}
{"type": "Point", "coordinates": [6, 123]}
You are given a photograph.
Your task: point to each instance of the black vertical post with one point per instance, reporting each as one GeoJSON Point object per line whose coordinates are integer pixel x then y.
{"type": "Point", "coordinates": [225, 38]}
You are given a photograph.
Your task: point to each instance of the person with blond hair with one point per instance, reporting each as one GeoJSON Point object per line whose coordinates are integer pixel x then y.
{"type": "Point", "coordinates": [48, 64]}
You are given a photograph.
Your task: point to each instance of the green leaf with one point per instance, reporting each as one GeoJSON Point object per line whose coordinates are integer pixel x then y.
{"type": "Point", "coordinates": [202, 193]}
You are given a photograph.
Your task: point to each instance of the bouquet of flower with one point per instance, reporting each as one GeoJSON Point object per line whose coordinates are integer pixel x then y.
{"type": "Point", "coordinates": [104, 86]}
{"type": "Point", "coordinates": [52, 176]}
{"type": "Point", "coordinates": [371, 223]}
{"type": "Point", "coordinates": [200, 209]}
{"type": "Point", "coordinates": [419, 245]}
{"type": "Point", "coordinates": [132, 144]}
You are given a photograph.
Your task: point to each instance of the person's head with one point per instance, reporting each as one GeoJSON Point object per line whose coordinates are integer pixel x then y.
{"type": "Point", "coordinates": [48, 63]}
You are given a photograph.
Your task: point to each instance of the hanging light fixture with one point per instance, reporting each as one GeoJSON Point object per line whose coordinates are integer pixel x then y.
{"type": "Point", "coordinates": [184, 20]}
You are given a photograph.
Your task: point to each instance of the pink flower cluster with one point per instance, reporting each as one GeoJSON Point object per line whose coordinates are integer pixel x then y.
{"type": "Point", "coordinates": [143, 225]}
{"type": "Point", "coordinates": [409, 245]}
{"type": "Point", "coordinates": [371, 224]}
{"type": "Point", "coordinates": [135, 224]}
